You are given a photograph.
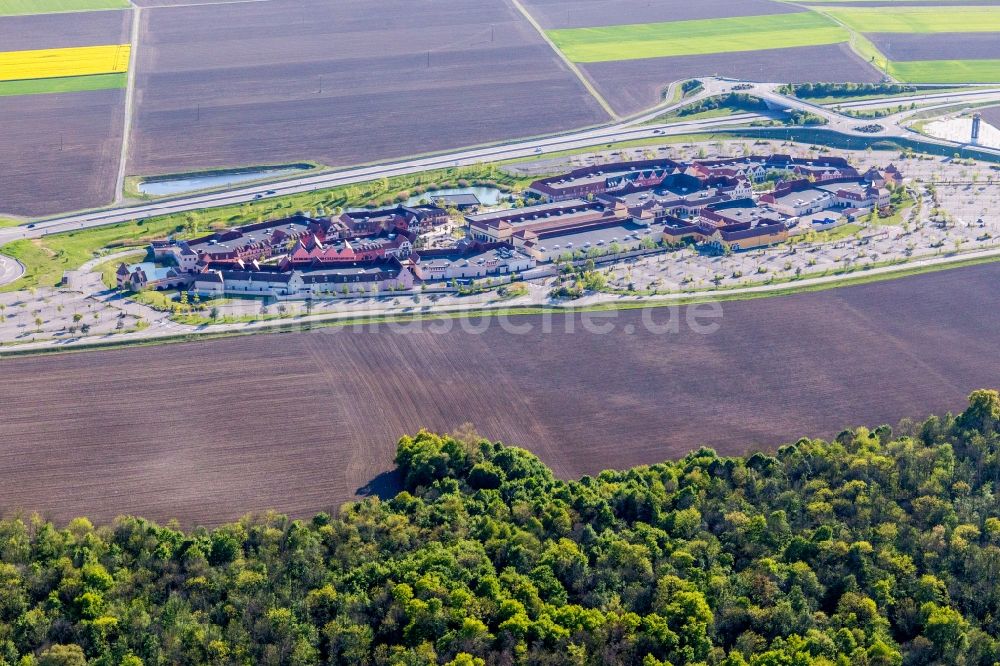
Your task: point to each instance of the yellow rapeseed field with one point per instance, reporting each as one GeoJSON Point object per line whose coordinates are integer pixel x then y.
{"type": "Point", "coordinates": [50, 63]}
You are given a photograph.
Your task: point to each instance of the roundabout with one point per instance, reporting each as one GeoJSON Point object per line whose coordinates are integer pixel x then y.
{"type": "Point", "coordinates": [10, 270]}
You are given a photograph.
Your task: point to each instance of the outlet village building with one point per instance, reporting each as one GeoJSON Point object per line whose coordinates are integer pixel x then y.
{"type": "Point", "coordinates": [598, 210]}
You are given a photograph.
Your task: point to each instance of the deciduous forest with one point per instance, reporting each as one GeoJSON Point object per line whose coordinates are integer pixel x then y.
{"type": "Point", "coordinates": [881, 547]}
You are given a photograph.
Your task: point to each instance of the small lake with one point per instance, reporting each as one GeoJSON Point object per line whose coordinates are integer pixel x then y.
{"type": "Point", "coordinates": [488, 196]}
{"type": "Point", "coordinates": [960, 129]}
{"type": "Point", "coordinates": [191, 183]}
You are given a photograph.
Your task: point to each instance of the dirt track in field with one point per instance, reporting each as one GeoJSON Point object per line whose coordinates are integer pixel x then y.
{"type": "Point", "coordinates": [342, 83]}
{"type": "Point", "coordinates": [300, 422]}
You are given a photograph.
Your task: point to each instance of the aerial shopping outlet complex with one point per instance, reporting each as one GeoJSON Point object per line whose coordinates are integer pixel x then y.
{"type": "Point", "coordinates": [603, 213]}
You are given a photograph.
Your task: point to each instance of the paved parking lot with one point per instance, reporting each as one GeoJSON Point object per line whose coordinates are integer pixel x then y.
{"type": "Point", "coordinates": [957, 210]}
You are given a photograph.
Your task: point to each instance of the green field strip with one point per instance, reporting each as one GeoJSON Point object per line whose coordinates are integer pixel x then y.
{"type": "Point", "coordinates": [699, 37]}
{"type": "Point", "coordinates": [63, 84]}
{"type": "Point", "coordinates": [888, 3]}
{"type": "Point", "coordinates": [19, 7]}
{"type": "Point", "coordinates": [861, 45]}
{"type": "Point", "coordinates": [946, 71]}
{"type": "Point", "coordinates": [933, 19]}
{"type": "Point", "coordinates": [868, 52]}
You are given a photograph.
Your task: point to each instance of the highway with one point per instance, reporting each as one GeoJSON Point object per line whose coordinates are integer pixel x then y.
{"type": "Point", "coordinates": [893, 125]}
{"type": "Point", "coordinates": [629, 129]}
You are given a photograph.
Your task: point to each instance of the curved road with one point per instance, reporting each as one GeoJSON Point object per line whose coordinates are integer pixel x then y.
{"type": "Point", "coordinates": [10, 269]}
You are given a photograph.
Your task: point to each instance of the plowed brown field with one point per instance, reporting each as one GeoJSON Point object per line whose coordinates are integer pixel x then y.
{"type": "Point", "coordinates": [342, 83]}
{"type": "Point", "coordinates": [59, 152]}
{"type": "Point", "coordinates": [938, 45]}
{"type": "Point", "coordinates": [633, 85]}
{"type": "Point", "coordinates": [301, 422]}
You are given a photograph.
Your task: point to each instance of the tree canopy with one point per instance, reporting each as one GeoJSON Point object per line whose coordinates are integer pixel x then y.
{"type": "Point", "coordinates": [879, 548]}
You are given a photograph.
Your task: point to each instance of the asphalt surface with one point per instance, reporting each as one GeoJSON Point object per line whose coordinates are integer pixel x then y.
{"type": "Point", "coordinates": [631, 129]}
{"type": "Point", "coordinates": [10, 269]}
{"type": "Point", "coordinates": [165, 329]}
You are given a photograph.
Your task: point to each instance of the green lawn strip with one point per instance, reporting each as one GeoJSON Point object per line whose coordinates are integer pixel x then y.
{"type": "Point", "coordinates": [63, 84]}
{"type": "Point", "coordinates": [837, 233]}
{"type": "Point", "coordinates": [894, 220]}
{"type": "Point", "coordinates": [158, 300]}
{"type": "Point", "coordinates": [868, 52]}
{"type": "Point", "coordinates": [940, 112]}
{"type": "Point", "coordinates": [703, 36]}
{"type": "Point", "coordinates": [108, 268]}
{"type": "Point", "coordinates": [675, 117]}
{"type": "Point", "coordinates": [834, 100]}
{"type": "Point", "coordinates": [9, 222]}
{"type": "Point", "coordinates": [882, 112]}
{"type": "Point", "coordinates": [45, 259]}
{"type": "Point", "coordinates": [676, 96]}
{"type": "Point", "coordinates": [946, 71]}
{"type": "Point", "coordinates": [41, 264]}
{"type": "Point", "coordinates": [887, 3]}
{"type": "Point", "coordinates": [921, 19]}
{"type": "Point", "coordinates": [17, 7]}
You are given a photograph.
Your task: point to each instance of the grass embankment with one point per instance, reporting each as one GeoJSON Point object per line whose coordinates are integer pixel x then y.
{"type": "Point", "coordinates": [946, 71]}
{"type": "Point", "coordinates": [837, 233]}
{"type": "Point", "coordinates": [63, 84]}
{"type": "Point", "coordinates": [45, 259]}
{"type": "Point", "coordinates": [698, 37]}
{"type": "Point", "coordinates": [834, 94]}
{"type": "Point", "coordinates": [834, 100]}
{"type": "Point", "coordinates": [16, 7]}
{"type": "Point", "coordinates": [680, 115]}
